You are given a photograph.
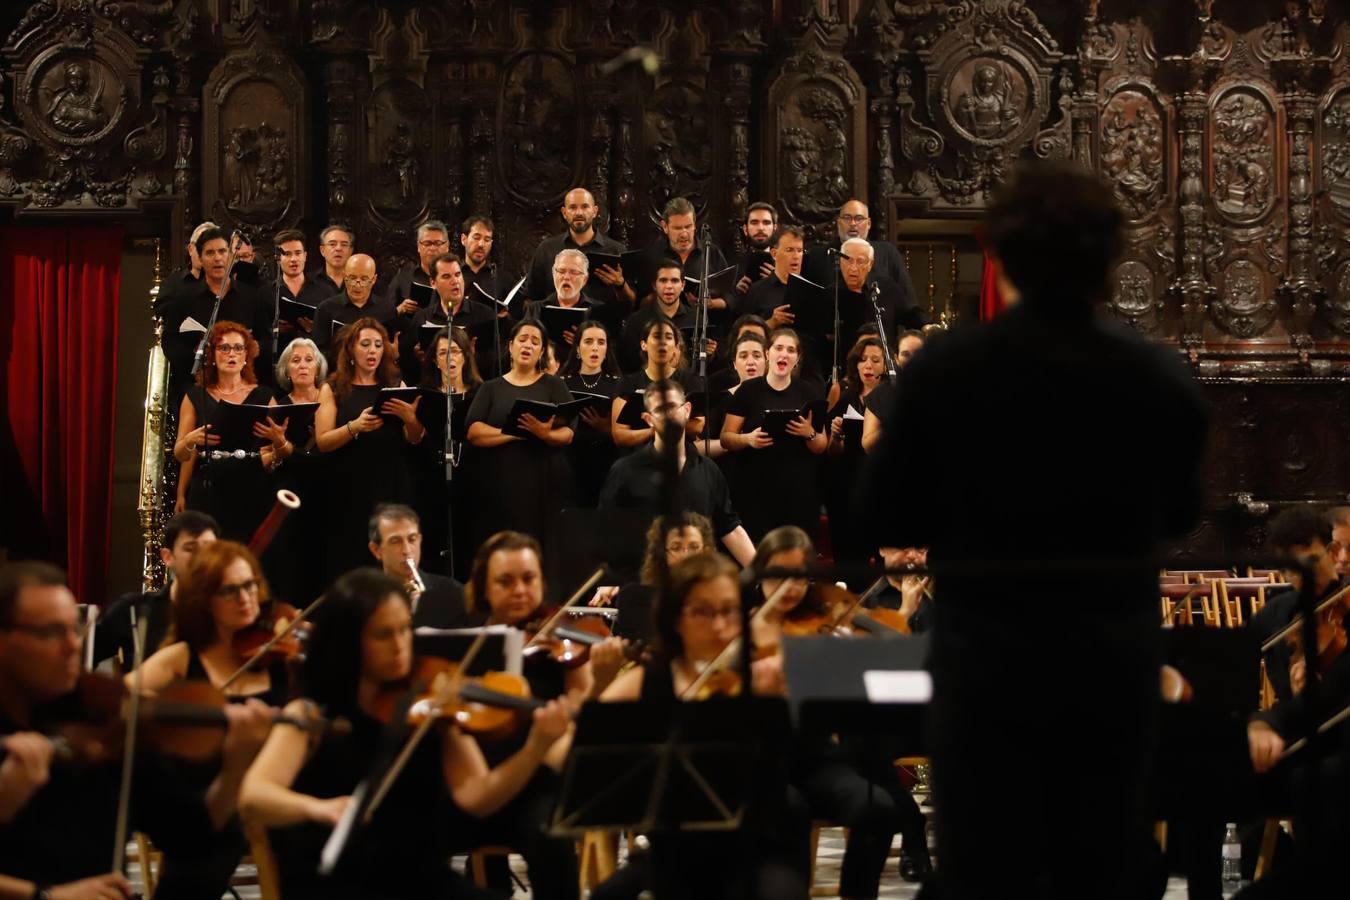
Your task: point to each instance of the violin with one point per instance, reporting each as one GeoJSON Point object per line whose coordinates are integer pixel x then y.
{"type": "Point", "coordinates": [832, 606]}
{"type": "Point", "coordinates": [187, 720]}
{"type": "Point", "coordinates": [491, 705]}
{"type": "Point", "coordinates": [1332, 638]}
{"type": "Point", "coordinates": [272, 636]}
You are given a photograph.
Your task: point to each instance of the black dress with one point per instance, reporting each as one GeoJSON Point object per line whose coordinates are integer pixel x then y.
{"type": "Point", "coordinates": [779, 485]}
{"type": "Point", "coordinates": [365, 472]}
{"type": "Point", "coordinates": [294, 562]}
{"type": "Point", "coordinates": [591, 452]}
{"type": "Point", "coordinates": [237, 492]}
{"type": "Point", "coordinates": [520, 485]}
{"type": "Point", "coordinates": [403, 852]}
{"type": "Point", "coordinates": [848, 537]}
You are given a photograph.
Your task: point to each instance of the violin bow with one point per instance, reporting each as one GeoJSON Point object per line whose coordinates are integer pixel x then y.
{"type": "Point", "coordinates": [582, 591]}
{"type": "Point", "coordinates": [733, 646]}
{"type": "Point", "coordinates": [272, 641]}
{"type": "Point", "coordinates": [843, 616]}
{"type": "Point", "coordinates": [1297, 622]}
{"type": "Point", "coordinates": [447, 689]}
{"type": "Point", "coordinates": [1321, 729]}
{"type": "Point", "coordinates": [132, 715]}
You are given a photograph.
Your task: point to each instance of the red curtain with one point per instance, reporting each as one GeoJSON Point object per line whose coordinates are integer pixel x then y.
{"type": "Point", "coordinates": [58, 316]}
{"type": "Point", "coordinates": [991, 298]}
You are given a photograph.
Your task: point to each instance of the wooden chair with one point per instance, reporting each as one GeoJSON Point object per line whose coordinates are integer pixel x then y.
{"type": "Point", "coordinates": [1234, 593]}
{"type": "Point", "coordinates": [1178, 603]}
{"type": "Point", "coordinates": [599, 857]}
{"type": "Point", "coordinates": [478, 862]}
{"type": "Point", "coordinates": [821, 890]}
{"type": "Point", "coordinates": [264, 862]}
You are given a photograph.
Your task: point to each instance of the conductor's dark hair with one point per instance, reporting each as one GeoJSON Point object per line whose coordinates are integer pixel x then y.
{"type": "Point", "coordinates": [677, 206]}
{"type": "Point", "coordinates": [390, 512]}
{"type": "Point", "coordinates": [1298, 526]}
{"type": "Point", "coordinates": [211, 234]}
{"type": "Point", "coordinates": [467, 225]}
{"type": "Point", "coordinates": [541, 363]}
{"type": "Point", "coordinates": [767, 207]}
{"type": "Point", "coordinates": [332, 671]}
{"type": "Point", "coordinates": [446, 257]}
{"type": "Point", "coordinates": [192, 522]}
{"type": "Point", "coordinates": [609, 365]}
{"type": "Point", "coordinates": [16, 576]}
{"type": "Point", "coordinates": [686, 575]}
{"type": "Point", "coordinates": [659, 531]}
{"type": "Point", "coordinates": [475, 592]}
{"type": "Point", "coordinates": [785, 230]}
{"type": "Point", "coordinates": [1057, 229]}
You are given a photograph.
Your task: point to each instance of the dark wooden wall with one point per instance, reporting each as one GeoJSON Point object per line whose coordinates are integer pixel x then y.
{"type": "Point", "coordinates": [1224, 125]}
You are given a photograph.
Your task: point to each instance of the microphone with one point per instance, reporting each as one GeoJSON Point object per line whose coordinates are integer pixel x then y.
{"type": "Point", "coordinates": [835, 251]}
{"type": "Point", "coordinates": [639, 55]}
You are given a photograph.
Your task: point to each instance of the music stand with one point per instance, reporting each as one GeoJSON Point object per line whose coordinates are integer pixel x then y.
{"type": "Point", "coordinates": [859, 686]}
{"type": "Point", "coordinates": [653, 767]}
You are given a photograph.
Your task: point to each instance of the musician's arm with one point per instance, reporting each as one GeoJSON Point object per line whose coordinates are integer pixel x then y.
{"type": "Point", "coordinates": [266, 797]}
{"type": "Point", "coordinates": [163, 668]}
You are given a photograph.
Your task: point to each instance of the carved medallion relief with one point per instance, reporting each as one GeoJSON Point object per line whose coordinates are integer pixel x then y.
{"type": "Point", "coordinates": [1242, 177]}
{"type": "Point", "coordinates": [537, 120]}
{"type": "Point", "coordinates": [1244, 307]}
{"type": "Point", "coordinates": [1133, 152]}
{"type": "Point", "coordinates": [814, 155]}
{"type": "Point", "coordinates": [1132, 299]}
{"type": "Point", "coordinates": [987, 100]}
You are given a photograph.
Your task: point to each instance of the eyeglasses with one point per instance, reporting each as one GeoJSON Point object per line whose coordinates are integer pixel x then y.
{"type": "Point", "coordinates": [360, 280]}
{"type": "Point", "coordinates": [677, 547]}
{"type": "Point", "coordinates": [50, 633]}
{"type": "Point", "coordinates": [575, 273]}
{"type": "Point", "coordinates": [708, 614]}
{"type": "Point", "coordinates": [433, 244]}
{"type": "Point", "coordinates": [852, 220]}
{"type": "Point", "coordinates": [231, 591]}
{"type": "Point", "coordinates": [230, 348]}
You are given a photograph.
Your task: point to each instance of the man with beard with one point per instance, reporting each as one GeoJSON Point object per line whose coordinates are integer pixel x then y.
{"type": "Point", "coordinates": [336, 243]}
{"type": "Point", "coordinates": [293, 284]}
{"type": "Point", "coordinates": [855, 222]}
{"type": "Point", "coordinates": [606, 284]}
{"type": "Point", "coordinates": [188, 313]}
{"type": "Point", "coordinates": [450, 306]}
{"type": "Point", "coordinates": [433, 239]}
{"type": "Point", "coordinates": [570, 277]}
{"type": "Point", "coordinates": [760, 221]}
{"type": "Point", "coordinates": [680, 227]}
{"type": "Point", "coordinates": [475, 237]}
{"type": "Point", "coordinates": [356, 299]}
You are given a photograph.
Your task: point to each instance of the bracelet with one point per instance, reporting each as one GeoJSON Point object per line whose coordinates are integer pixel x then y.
{"type": "Point", "coordinates": [352, 432]}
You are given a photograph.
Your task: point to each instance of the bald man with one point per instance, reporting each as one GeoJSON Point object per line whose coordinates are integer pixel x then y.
{"type": "Point", "coordinates": [605, 285]}
{"type": "Point", "coordinates": [355, 300]}
{"type": "Point", "coordinates": [855, 221]}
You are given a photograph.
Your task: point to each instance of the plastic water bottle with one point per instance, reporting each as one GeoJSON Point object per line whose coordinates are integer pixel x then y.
{"type": "Point", "coordinates": [1232, 860]}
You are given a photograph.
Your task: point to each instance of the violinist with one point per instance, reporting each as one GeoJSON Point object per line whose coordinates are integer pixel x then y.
{"type": "Point", "coordinates": [58, 819]}
{"type": "Point", "coordinates": [183, 534]}
{"type": "Point", "coordinates": [693, 623]}
{"type": "Point", "coordinates": [670, 539]}
{"type": "Point", "coordinates": [299, 789]}
{"type": "Point", "coordinates": [396, 543]}
{"type": "Point", "coordinates": [1340, 533]}
{"type": "Point", "coordinates": [826, 772]}
{"type": "Point", "coordinates": [223, 594]}
{"type": "Point", "coordinates": [366, 447]}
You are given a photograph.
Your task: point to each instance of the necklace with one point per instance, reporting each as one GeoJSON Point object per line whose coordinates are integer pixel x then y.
{"type": "Point", "coordinates": [590, 386]}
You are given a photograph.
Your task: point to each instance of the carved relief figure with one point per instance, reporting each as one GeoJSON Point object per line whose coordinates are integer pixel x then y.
{"type": "Point", "coordinates": [539, 124]}
{"type": "Point", "coordinates": [1132, 152]}
{"type": "Point", "coordinates": [400, 153]}
{"type": "Point", "coordinates": [680, 139]}
{"type": "Point", "coordinates": [1243, 158]}
{"type": "Point", "coordinates": [1133, 296]}
{"type": "Point", "coordinates": [76, 108]}
{"type": "Point", "coordinates": [257, 164]}
{"type": "Point", "coordinates": [815, 154]}
{"type": "Point", "coordinates": [1335, 148]}
{"type": "Point", "coordinates": [988, 110]}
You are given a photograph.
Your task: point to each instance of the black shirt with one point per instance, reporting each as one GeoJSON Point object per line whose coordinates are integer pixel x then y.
{"type": "Point", "coordinates": [540, 283]}
{"type": "Point", "coordinates": [114, 631]}
{"type": "Point", "coordinates": [898, 310]}
{"type": "Point", "coordinates": [320, 277]}
{"type": "Point", "coordinates": [469, 316]}
{"type": "Point", "coordinates": [340, 308]}
{"type": "Point", "coordinates": [400, 288]}
{"type": "Point", "coordinates": [764, 297]}
{"type": "Point", "coordinates": [887, 261]}
{"type": "Point", "coordinates": [194, 301]}
{"type": "Point", "coordinates": [312, 293]}
{"type": "Point", "coordinates": [635, 331]}
{"type": "Point", "coordinates": [634, 482]}
{"type": "Point", "coordinates": [442, 605]}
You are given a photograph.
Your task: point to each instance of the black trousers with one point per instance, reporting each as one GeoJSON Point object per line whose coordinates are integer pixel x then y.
{"type": "Point", "coordinates": [522, 825]}
{"type": "Point", "coordinates": [834, 790]}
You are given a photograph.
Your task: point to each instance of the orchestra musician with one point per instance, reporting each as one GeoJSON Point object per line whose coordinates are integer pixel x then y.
{"type": "Point", "coordinates": [779, 484]}
{"type": "Point", "coordinates": [670, 539]}
{"type": "Point", "coordinates": [591, 368]}
{"type": "Point", "coordinates": [234, 488]}
{"type": "Point", "coordinates": [58, 819]}
{"type": "Point", "coordinates": [368, 463]}
{"type": "Point", "coordinates": [521, 482]}
{"type": "Point", "coordinates": [299, 786]}
{"type": "Point", "coordinates": [396, 543]}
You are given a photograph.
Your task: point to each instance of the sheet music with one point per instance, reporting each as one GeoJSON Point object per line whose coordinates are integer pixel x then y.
{"type": "Point", "coordinates": [191, 324]}
{"type": "Point", "coordinates": [512, 294]}
{"type": "Point", "coordinates": [332, 848]}
{"type": "Point", "coordinates": [892, 686]}
{"type": "Point", "coordinates": [513, 640]}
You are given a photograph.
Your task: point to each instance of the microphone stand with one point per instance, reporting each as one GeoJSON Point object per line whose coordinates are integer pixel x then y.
{"type": "Point", "coordinates": [276, 311]}
{"type": "Point", "coordinates": [701, 332]}
{"type": "Point", "coordinates": [838, 324]}
{"type": "Point", "coordinates": [496, 319]}
{"type": "Point", "coordinates": [449, 449]}
{"type": "Point", "coordinates": [873, 293]}
{"type": "Point", "coordinates": [199, 357]}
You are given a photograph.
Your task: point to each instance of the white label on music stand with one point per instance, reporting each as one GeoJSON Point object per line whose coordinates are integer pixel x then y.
{"type": "Point", "coordinates": [890, 686]}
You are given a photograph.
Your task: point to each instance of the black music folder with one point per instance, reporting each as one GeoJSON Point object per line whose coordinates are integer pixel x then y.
{"type": "Point", "coordinates": [558, 413]}
{"type": "Point", "coordinates": [293, 311]}
{"type": "Point", "coordinates": [406, 394]}
{"type": "Point", "coordinates": [754, 262]}
{"type": "Point", "coordinates": [558, 319]}
{"type": "Point", "coordinates": [424, 294]}
{"type": "Point", "coordinates": [299, 418]}
{"type": "Point", "coordinates": [233, 423]}
{"type": "Point", "coordinates": [431, 413]}
{"type": "Point", "coordinates": [776, 421]}
{"type": "Point", "coordinates": [601, 403]}
{"type": "Point", "coordinates": [810, 306]}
